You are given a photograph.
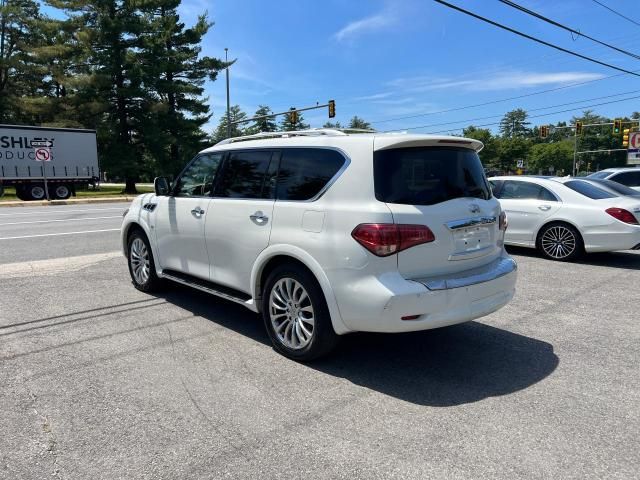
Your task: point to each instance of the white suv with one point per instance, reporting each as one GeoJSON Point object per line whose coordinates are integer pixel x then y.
{"type": "Point", "coordinates": [628, 176]}
{"type": "Point", "coordinates": [326, 233]}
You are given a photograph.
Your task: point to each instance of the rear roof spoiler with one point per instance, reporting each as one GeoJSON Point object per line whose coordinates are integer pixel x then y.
{"type": "Point", "coordinates": [383, 142]}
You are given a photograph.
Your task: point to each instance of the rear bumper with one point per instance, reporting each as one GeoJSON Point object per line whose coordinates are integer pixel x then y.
{"type": "Point", "coordinates": [615, 237]}
{"type": "Point", "coordinates": [439, 302]}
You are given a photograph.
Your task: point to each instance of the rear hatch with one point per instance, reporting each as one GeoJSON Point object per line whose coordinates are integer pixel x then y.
{"type": "Point", "coordinates": [442, 186]}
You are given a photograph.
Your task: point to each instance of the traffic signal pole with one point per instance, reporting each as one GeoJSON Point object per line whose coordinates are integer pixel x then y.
{"type": "Point", "coordinates": [330, 104]}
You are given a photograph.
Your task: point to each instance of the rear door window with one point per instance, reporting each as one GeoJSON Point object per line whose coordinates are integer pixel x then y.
{"type": "Point", "coordinates": [245, 175]}
{"type": "Point", "coordinates": [304, 172]}
{"type": "Point", "coordinates": [428, 175]}
{"type": "Point", "coordinates": [588, 190]}
{"type": "Point", "coordinates": [521, 190]}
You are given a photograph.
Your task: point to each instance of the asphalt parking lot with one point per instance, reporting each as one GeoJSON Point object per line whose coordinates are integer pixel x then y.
{"type": "Point", "coordinates": [102, 381]}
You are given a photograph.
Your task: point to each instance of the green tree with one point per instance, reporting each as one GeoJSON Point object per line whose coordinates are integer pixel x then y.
{"type": "Point", "coordinates": [514, 124]}
{"type": "Point", "coordinates": [220, 133]}
{"type": "Point", "coordinates": [173, 75]}
{"type": "Point", "coordinates": [358, 123]}
{"type": "Point", "coordinates": [510, 150]}
{"type": "Point", "coordinates": [20, 76]}
{"type": "Point", "coordinates": [551, 157]}
{"type": "Point", "coordinates": [267, 124]}
{"type": "Point", "coordinates": [332, 125]}
{"type": "Point", "coordinates": [489, 153]}
{"type": "Point", "coordinates": [287, 125]}
{"type": "Point", "coordinates": [109, 34]}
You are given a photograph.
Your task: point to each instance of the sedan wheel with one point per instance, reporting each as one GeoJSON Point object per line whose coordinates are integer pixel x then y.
{"type": "Point", "coordinates": [560, 242]}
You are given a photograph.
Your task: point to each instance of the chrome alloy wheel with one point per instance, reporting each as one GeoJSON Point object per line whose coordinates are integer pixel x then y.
{"type": "Point", "coordinates": [558, 242]}
{"type": "Point", "coordinates": [291, 313]}
{"type": "Point", "coordinates": [139, 260]}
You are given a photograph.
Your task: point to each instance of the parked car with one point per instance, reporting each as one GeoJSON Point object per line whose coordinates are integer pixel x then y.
{"type": "Point", "coordinates": [564, 217]}
{"type": "Point", "coordinates": [326, 233]}
{"type": "Point", "coordinates": [628, 176]}
{"type": "Point", "coordinates": [613, 187]}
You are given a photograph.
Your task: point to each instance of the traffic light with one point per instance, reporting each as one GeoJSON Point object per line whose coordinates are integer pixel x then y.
{"type": "Point", "coordinates": [293, 115]}
{"type": "Point", "coordinates": [617, 126]}
{"type": "Point", "coordinates": [544, 131]}
{"type": "Point", "coordinates": [578, 128]}
{"type": "Point", "coordinates": [625, 137]}
{"type": "Point", "coordinates": [332, 108]}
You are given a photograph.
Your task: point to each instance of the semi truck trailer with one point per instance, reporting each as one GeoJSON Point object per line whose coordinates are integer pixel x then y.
{"type": "Point", "coordinates": [43, 162]}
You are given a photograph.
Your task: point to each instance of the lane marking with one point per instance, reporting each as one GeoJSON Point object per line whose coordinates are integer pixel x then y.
{"type": "Point", "coordinates": [58, 234]}
{"type": "Point", "coordinates": [60, 209]}
{"type": "Point", "coordinates": [60, 220]}
{"type": "Point", "coordinates": [54, 266]}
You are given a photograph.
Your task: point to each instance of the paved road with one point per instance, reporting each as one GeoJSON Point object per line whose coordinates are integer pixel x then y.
{"type": "Point", "coordinates": [102, 381]}
{"type": "Point", "coordinates": [36, 233]}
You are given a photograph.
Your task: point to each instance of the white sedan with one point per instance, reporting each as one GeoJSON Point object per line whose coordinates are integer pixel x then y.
{"type": "Point", "coordinates": [564, 217]}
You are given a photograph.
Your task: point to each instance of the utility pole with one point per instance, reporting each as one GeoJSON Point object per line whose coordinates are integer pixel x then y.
{"type": "Point", "coordinates": [2, 32]}
{"type": "Point", "coordinates": [226, 59]}
{"type": "Point", "coordinates": [575, 150]}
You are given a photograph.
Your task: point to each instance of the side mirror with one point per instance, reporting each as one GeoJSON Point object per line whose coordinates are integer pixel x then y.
{"type": "Point", "coordinates": [161, 186]}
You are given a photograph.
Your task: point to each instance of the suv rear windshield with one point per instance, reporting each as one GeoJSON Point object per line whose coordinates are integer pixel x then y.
{"type": "Point", "coordinates": [428, 175]}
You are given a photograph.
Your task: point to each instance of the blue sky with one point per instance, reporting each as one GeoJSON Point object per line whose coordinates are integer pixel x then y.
{"type": "Point", "coordinates": [383, 60]}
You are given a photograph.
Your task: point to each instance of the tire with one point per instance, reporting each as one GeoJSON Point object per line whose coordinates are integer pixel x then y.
{"type": "Point", "coordinates": [36, 191]}
{"type": "Point", "coordinates": [61, 192]}
{"type": "Point", "coordinates": [142, 268]}
{"type": "Point", "coordinates": [21, 193]}
{"type": "Point", "coordinates": [296, 315]}
{"type": "Point", "coordinates": [560, 241]}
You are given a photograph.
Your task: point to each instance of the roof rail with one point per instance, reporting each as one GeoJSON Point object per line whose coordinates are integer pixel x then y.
{"type": "Point", "coordinates": [312, 132]}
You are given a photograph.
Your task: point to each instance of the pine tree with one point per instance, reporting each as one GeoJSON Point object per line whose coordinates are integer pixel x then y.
{"type": "Point", "coordinates": [220, 133]}
{"type": "Point", "coordinates": [358, 123]}
{"type": "Point", "coordinates": [267, 124]}
{"type": "Point", "coordinates": [514, 124]}
{"type": "Point", "coordinates": [20, 77]}
{"type": "Point", "coordinates": [108, 34]}
{"type": "Point", "coordinates": [332, 125]}
{"type": "Point", "coordinates": [174, 74]}
{"type": "Point", "coordinates": [287, 125]}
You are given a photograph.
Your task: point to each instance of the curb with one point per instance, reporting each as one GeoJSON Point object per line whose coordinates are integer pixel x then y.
{"type": "Point", "coordinates": [75, 201]}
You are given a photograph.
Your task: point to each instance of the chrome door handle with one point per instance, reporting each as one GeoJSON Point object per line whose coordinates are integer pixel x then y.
{"type": "Point", "coordinates": [197, 211]}
{"type": "Point", "coordinates": [259, 218]}
{"type": "Point", "coordinates": [544, 208]}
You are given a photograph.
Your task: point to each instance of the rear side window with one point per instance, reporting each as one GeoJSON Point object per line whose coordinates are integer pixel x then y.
{"type": "Point", "coordinates": [617, 187]}
{"type": "Point", "coordinates": [588, 190]}
{"type": "Point", "coordinates": [630, 179]}
{"type": "Point", "coordinates": [428, 175]}
{"type": "Point", "coordinates": [520, 190]}
{"type": "Point", "coordinates": [598, 175]}
{"type": "Point", "coordinates": [304, 172]}
{"type": "Point", "coordinates": [245, 175]}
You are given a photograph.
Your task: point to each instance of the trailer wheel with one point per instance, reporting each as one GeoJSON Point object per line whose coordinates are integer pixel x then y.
{"type": "Point", "coordinates": [36, 192]}
{"type": "Point", "coordinates": [62, 192]}
{"type": "Point", "coordinates": [21, 193]}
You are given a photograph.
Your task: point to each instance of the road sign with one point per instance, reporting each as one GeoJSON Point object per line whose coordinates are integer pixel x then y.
{"type": "Point", "coordinates": [42, 155]}
{"type": "Point", "coordinates": [633, 152]}
{"type": "Point", "coordinates": [520, 163]}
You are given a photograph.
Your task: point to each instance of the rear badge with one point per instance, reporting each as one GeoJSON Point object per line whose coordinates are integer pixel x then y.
{"type": "Point", "coordinates": [474, 208]}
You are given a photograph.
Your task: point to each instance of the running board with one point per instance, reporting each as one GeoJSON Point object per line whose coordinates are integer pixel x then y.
{"type": "Point", "coordinates": [208, 287]}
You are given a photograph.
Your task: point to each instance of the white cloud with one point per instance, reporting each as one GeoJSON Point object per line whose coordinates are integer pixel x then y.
{"type": "Point", "coordinates": [365, 25]}
{"type": "Point", "coordinates": [503, 81]}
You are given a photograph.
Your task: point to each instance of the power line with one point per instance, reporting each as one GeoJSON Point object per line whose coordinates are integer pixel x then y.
{"type": "Point", "coordinates": [617, 13]}
{"type": "Point", "coordinates": [538, 40]}
{"type": "Point", "coordinates": [532, 116]}
{"type": "Point", "coordinates": [528, 110]}
{"type": "Point", "coordinates": [564, 27]}
{"type": "Point", "coordinates": [501, 100]}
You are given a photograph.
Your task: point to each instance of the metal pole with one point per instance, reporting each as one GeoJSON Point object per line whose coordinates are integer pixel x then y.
{"type": "Point", "coordinates": [575, 150]}
{"type": "Point", "coordinates": [226, 59]}
{"type": "Point", "coordinates": [2, 33]}
{"type": "Point", "coordinates": [44, 176]}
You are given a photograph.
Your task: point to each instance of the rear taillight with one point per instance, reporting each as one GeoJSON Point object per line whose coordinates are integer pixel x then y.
{"type": "Point", "coordinates": [503, 222]}
{"type": "Point", "coordinates": [623, 215]}
{"type": "Point", "coordinates": [384, 239]}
